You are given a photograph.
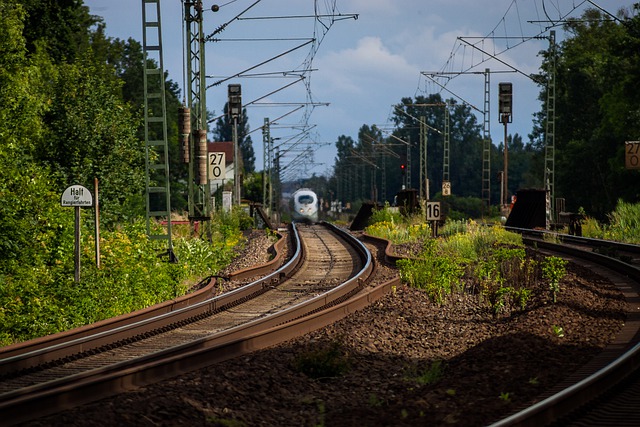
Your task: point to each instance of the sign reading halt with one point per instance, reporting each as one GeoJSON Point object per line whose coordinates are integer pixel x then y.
{"type": "Point", "coordinates": [76, 195]}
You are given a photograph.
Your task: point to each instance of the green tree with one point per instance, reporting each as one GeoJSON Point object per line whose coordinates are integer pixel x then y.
{"type": "Point", "coordinates": [598, 70]}
{"type": "Point", "coordinates": [32, 221]}
{"type": "Point", "coordinates": [62, 26]}
{"type": "Point", "coordinates": [92, 134]}
{"type": "Point", "coordinates": [127, 59]}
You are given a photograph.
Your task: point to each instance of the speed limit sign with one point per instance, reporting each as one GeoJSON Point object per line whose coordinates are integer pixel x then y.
{"type": "Point", "coordinates": [632, 155]}
{"type": "Point", "coordinates": [216, 165]}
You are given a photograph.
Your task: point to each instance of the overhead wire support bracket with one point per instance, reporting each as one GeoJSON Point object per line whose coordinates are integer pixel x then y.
{"type": "Point", "coordinates": [336, 17]}
{"type": "Point", "coordinates": [417, 119]}
{"type": "Point", "coordinates": [219, 82]}
{"type": "Point", "coordinates": [462, 39]}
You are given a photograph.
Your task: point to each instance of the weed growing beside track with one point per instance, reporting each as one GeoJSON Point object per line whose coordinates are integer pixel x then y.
{"type": "Point", "coordinates": [469, 258]}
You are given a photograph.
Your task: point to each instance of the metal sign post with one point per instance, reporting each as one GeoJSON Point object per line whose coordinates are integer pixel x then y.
{"type": "Point", "coordinates": [77, 196]}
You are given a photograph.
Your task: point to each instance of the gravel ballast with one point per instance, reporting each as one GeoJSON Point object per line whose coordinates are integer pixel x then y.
{"type": "Point", "coordinates": [405, 360]}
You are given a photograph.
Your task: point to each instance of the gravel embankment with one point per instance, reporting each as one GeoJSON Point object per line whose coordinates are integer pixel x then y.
{"type": "Point", "coordinates": [410, 362]}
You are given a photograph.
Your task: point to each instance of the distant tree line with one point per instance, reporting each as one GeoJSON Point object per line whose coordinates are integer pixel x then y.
{"type": "Point", "coordinates": [597, 110]}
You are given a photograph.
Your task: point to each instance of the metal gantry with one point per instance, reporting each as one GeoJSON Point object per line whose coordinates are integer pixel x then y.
{"type": "Point", "coordinates": [445, 151]}
{"type": "Point", "coordinates": [199, 192]}
{"type": "Point", "coordinates": [549, 150]}
{"type": "Point", "coordinates": [486, 143]}
{"type": "Point", "coordinates": [424, 178]}
{"type": "Point", "coordinates": [157, 187]}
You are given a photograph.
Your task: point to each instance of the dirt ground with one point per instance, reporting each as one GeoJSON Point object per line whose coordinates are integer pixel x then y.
{"type": "Point", "coordinates": [403, 361]}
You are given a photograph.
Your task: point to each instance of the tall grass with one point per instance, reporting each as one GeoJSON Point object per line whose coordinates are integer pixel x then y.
{"type": "Point", "coordinates": [623, 224]}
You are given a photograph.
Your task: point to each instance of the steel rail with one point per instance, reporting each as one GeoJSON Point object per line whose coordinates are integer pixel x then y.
{"type": "Point", "coordinates": [205, 292]}
{"type": "Point", "coordinates": [87, 386]}
{"type": "Point", "coordinates": [625, 362]}
{"type": "Point", "coordinates": [142, 322]}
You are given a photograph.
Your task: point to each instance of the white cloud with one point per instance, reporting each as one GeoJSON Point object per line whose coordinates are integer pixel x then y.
{"type": "Point", "coordinates": [370, 62]}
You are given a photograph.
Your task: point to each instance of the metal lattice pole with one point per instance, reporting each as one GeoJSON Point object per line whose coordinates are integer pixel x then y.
{"type": "Point", "coordinates": [157, 185]}
{"type": "Point", "coordinates": [550, 134]}
{"type": "Point", "coordinates": [486, 144]}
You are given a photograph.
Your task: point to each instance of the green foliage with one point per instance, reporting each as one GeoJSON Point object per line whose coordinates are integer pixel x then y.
{"type": "Point", "coordinates": [463, 208]}
{"type": "Point", "coordinates": [553, 270]}
{"type": "Point", "coordinates": [505, 396]}
{"type": "Point", "coordinates": [592, 228]}
{"type": "Point", "coordinates": [327, 362]}
{"type": "Point", "coordinates": [44, 299]}
{"type": "Point", "coordinates": [385, 215]}
{"type": "Point", "coordinates": [598, 67]}
{"type": "Point", "coordinates": [92, 134]}
{"type": "Point", "coordinates": [399, 229]}
{"type": "Point", "coordinates": [624, 223]}
{"type": "Point", "coordinates": [558, 331]}
{"type": "Point", "coordinates": [62, 25]}
{"type": "Point", "coordinates": [486, 260]}
{"type": "Point", "coordinates": [437, 276]}
{"type": "Point", "coordinates": [429, 374]}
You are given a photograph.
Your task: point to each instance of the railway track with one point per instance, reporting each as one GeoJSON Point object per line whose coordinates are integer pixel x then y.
{"type": "Point", "coordinates": [564, 405]}
{"type": "Point", "coordinates": [328, 267]}
{"type": "Point", "coordinates": [606, 392]}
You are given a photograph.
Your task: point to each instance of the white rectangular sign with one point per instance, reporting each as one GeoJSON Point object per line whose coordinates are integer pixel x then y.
{"type": "Point", "coordinates": [433, 211]}
{"type": "Point", "coordinates": [217, 166]}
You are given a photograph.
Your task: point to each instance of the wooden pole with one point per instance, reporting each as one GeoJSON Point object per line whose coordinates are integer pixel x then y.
{"type": "Point", "coordinates": [77, 245]}
{"type": "Point", "coordinates": [97, 218]}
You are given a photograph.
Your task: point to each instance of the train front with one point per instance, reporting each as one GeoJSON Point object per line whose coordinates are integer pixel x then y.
{"type": "Point", "coordinates": [305, 206]}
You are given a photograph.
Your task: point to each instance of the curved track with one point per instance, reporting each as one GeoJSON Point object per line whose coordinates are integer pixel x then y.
{"type": "Point", "coordinates": [606, 392]}
{"type": "Point", "coordinates": [328, 267]}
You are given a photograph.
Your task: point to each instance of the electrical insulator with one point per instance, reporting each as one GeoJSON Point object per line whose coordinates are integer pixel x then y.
{"type": "Point", "coordinates": [184, 125]}
{"type": "Point", "coordinates": [201, 153]}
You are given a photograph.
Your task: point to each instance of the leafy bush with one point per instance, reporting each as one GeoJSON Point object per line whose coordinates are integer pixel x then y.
{"type": "Point", "coordinates": [484, 260]}
{"type": "Point", "coordinates": [44, 299]}
{"type": "Point", "coordinates": [385, 215]}
{"type": "Point", "coordinates": [624, 223]}
{"type": "Point", "coordinates": [553, 270]}
{"type": "Point", "coordinates": [399, 232]}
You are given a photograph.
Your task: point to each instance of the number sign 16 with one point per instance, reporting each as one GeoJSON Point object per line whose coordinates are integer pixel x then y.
{"type": "Point", "coordinates": [433, 211]}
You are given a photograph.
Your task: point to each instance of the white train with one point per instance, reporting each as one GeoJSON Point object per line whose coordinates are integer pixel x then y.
{"type": "Point", "coordinates": [305, 206]}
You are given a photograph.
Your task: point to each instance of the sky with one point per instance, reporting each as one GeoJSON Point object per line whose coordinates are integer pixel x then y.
{"type": "Point", "coordinates": [318, 79]}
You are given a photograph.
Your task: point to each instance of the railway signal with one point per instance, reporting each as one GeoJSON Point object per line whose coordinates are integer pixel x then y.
{"type": "Point", "coordinates": [234, 110]}
{"type": "Point", "coordinates": [505, 111]}
{"type": "Point", "coordinates": [235, 101]}
{"type": "Point", "coordinates": [505, 104]}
